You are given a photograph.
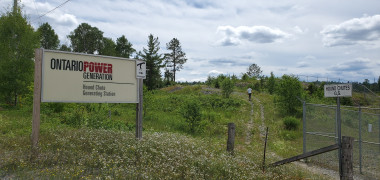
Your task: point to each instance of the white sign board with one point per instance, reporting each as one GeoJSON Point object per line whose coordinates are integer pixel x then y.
{"type": "Point", "coordinates": [141, 69]}
{"type": "Point", "coordinates": [74, 77]}
{"type": "Point", "coordinates": [338, 90]}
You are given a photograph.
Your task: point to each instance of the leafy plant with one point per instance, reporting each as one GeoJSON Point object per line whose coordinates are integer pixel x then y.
{"type": "Point", "coordinates": [288, 90]}
{"type": "Point", "coordinates": [192, 113]}
{"type": "Point", "coordinates": [227, 87]}
{"type": "Point", "coordinates": [291, 123]}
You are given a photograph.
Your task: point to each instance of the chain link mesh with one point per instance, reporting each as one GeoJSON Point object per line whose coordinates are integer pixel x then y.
{"type": "Point", "coordinates": [362, 124]}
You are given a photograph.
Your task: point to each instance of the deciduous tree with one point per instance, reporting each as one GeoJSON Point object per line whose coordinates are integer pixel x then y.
{"type": "Point", "coordinates": [17, 43]}
{"type": "Point", "coordinates": [64, 47]}
{"type": "Point", "coordinates": [48, 38]}
{"type": "Point", "coordinates": [227, 87]}
{"type": "Point", "coordinates": [86, 39]}
{"type": "Point", "coordinates": [288, 90]}
{"type": "Point", "coordinates": [108, 47]}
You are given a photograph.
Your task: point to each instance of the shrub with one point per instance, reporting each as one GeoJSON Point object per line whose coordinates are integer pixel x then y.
{"type": "Point", "coordinates": [227, 87]}
{"type": "Point", "coordinates": [289, 89]}
{"type": "Point", "coordinates": [291, 123]}
{"type": "Point", "coordinates": [191, 111]}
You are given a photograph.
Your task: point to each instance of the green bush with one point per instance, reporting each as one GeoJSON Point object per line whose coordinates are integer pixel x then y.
{"type": "Point", "coordinates": [289, 135]}
{"type": "Point", "coordinates": [227, 87]}
{"type": "Point", "coordinates": [291, 123]}
{"type": "Point", "coordinates": [289, 88]}
{"type": "Point", "coordinates": [191, 111]}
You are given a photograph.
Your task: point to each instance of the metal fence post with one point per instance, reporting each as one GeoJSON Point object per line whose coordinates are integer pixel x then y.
{"type": "Point", "coordinates": [339, 135]}
{"type": "Point", "coordinates": [304, 126]}
{"type": "Point", "coordinates": [360, 140]}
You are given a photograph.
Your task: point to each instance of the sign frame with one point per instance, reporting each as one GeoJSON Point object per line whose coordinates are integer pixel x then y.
{"type": "Point", "coordinates": [37, 97]}
{"type": "Point", "coordinates": [44, 61]}
{"type": "Point", "coordinates": [338, 90]}
{"type": "Point", "coordinates": [140, 69]}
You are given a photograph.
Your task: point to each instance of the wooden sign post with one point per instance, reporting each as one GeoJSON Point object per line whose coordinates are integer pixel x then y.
{"type": "Point", "coordinates": [338, 90]}
{"type": "Point", "coordinates": [36, 97]}
{"type": "Point", "coordinates": [70, 77]}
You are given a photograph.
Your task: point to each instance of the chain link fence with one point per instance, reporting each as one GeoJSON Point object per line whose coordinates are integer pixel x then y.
{"type": "Point", "coordinates": [361, 123]}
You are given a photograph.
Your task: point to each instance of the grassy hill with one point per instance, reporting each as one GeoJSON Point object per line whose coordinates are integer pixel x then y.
{"type": "Point", "coordinates": [97, 140]}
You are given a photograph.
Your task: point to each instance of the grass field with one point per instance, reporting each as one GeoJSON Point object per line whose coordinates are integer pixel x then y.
{"type": "Point", "coordinates": [97, 141]}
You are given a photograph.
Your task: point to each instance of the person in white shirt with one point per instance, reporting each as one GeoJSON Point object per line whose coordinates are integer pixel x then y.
{"type": "Point", "coordinates": [249, 90]}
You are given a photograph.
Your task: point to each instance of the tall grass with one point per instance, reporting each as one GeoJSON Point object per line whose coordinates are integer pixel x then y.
{"type": "Point", "coordinates": [110, 150]}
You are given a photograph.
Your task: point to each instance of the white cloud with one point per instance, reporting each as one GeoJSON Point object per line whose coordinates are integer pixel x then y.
{"type": "Point", "coordinates": [257, 34]}
{"type": "Point", "coordinates": [296, 24]}
{"type": "Point", "coordinates": [352, 32]}
{"type": "Point", "coordinates": [357, 65]}
{"type": "Point", "coordinates": [64, 19]}
{"type": "Point", "coordinates": [302, 64]}
{"type": "Point", "coordinates": [215, 72]}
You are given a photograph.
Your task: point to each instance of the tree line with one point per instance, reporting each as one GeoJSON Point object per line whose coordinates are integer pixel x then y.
{"type": "Point", "coordinates": [19, 39]}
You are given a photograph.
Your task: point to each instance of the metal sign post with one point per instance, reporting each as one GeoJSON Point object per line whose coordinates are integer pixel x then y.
{"type": "Point", "coordinates": [338, 90]}
{"type": "Point", "coordinates": [140, 75]}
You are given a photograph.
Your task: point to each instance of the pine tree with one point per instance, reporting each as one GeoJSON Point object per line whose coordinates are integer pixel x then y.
{"type": "Point", "coordinates": [271, 83]}
{"type": "Point", "coordinates": [124, 47]}
{"type": "Point", "coordinates": [176, 58]}
{"type": "Point", "coordinates": [254, 71]}
{"type": "Point", "coordinates": [153, 62]}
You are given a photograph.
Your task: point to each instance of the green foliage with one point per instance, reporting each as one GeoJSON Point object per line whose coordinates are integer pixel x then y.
{"type": "Point", "coordinates": [64, 47]}
{"type": "Point", "coordinates": [254, 71]}
{"type": "Point", "coordinates": [82, 151]}
{"type": "Point", "coordinates": [176, 57]}
{"type": "Point", "coordinates": [291, 135]}
{"type": "Point", "coordinates": [216, 82]}
{"type": "Point", "coordinates": [86, 39]}
{"type": "Point", "coordinates": [108, 47]}
{"type": "Point", "coordinates": [289, 89]}
{"type": "Point", "coordinates": [153, 63]}
{"type": "Point", "coordinates": [271, 83]}
{"type": "Point", "coordinates": [191, 111]}
{"type": "Point", "coordinates": [227, 87]}
{"type": "Point", "coordinates": [124, 47]}
{"type": "Point", "coordinates": [245, 77]}
{"type": "Point", "coordinates": [291, 123]}
{"type": "Point", "coordinates": [17, 43]}
{"type": "Point", "coordinates": [48, 38]}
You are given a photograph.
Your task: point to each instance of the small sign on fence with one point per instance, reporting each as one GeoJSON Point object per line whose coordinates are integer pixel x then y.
{"type": "Point", "coordinates": [338, 90]}
{"type": "Point", "coordinates": [369, 127]}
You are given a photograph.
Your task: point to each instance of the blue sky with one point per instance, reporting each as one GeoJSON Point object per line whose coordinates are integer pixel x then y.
{"type": "Point", "coordinates": [325, 39]}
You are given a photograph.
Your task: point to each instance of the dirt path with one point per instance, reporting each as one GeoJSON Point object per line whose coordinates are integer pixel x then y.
{"type": "Point", "coordinates": [326, 173]}
{"type": "Point", "coordinates": [249, 127]}
{"type": "Point", "coordinates": [262, 118]}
